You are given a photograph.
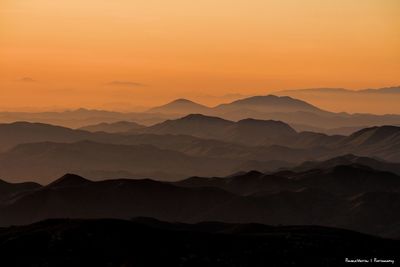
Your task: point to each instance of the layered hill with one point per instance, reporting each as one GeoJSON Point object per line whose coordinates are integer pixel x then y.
{"type": "Point", "coordinates": [247, 131]}
{"type": "Point", "coordinates": [42, 161]}
{"type": "Point", "coordinates": [24, 132]}
{"type": "Point", "coordinates": [342, 196]}
{"type": "Point", "coordinates": [350, 159]}
{"type": "Point", "coordinates": [114, 127]}
{"type": "Point", "coordinates": [267, 104]}
{"type": "Point", "coordinates": [224, 146]}
{"type": "Point", "coordinates": [268, 107]}
{"type": "Point", "coordinates": [340, 180]}
{"type": "Point", "coordinates": [382, 142]}
{"type": "Point", "coordinates": [9, 190]}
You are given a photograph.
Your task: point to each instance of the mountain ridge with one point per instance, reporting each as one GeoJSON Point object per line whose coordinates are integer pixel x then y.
{"type": "Point", "coordinates": [333, 197]}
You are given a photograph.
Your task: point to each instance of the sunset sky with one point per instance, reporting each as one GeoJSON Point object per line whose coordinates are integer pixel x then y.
{"type": "Point", "coordinates": [124, 54]}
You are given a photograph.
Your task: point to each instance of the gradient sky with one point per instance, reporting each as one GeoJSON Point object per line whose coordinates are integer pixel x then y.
{"type": "Point", "coordinates": [127, 53]}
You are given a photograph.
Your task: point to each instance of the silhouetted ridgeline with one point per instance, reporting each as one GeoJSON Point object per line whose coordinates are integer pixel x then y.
{"type": "Point", "coordinates": [291, 110]}
{"type": "Point", "coordinates": [347, 196]}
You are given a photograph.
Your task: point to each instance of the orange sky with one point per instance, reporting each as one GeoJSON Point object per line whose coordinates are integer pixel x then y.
{"type": "Point", "coordinates": [127, 53]}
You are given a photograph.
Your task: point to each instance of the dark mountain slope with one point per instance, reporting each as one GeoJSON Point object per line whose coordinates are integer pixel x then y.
{"type": "Point", "coordinates": [339, 180]}
{"type": "Point", "coordinates": [376, 212]}
{"type": "Point", "coordinates": [75, 197]}
{"type": "Point", "coordinates": [382, 142]}
{"type": "Point", "coordinates": [343, 196]}
{"type": "Point", "coordinates": [349, 159]}
{"type": "Point", "coordinates": [8, 190]}
{"type": "Point", "coordinates": [70, 180]}
{"type": "Point", "coordinates": [116, 243]}
{"type": "Point", "coordinates": [374, 135]}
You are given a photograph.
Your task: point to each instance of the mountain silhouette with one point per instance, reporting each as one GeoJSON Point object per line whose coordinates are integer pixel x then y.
{"type": "Point", "coordinates": [10, 190]}
{"type": "Point", "coordinates": [319, 197]}
{"type": "Point", "coordinates": [373, 135]}
{"type": "Point", "coordinates": [251, 131]}
{"type": "Point", "coordinates": [25, 132]}
{"type": "Point", "coordinates": [385, 90]}
{"type": "Point", "coordinates": [269, 103]}
{"type": "Point", "coordinates": [382, 142]}
{"type": "Point", "coordinates": [180, 106]}
{"type": "Point", "coordinates": [339, 179]}
{"type": "Point", "coordinates": [271, 107]}
{"type": "Point", "coordinates": [247, 131]}
{"type": "Point", "coordinates": [68, 180]}
{"type": "Point", "coordinates": [350, 159]}
{"type": "Point", "coordinates": [193, 124]}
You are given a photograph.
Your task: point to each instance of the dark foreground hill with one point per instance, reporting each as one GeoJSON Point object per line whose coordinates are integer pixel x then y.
{"type": "Point", "coordinates": [147, 242]}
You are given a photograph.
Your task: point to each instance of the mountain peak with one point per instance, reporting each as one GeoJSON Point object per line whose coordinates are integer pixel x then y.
{"type": "Point", "coordinates": [183, 101]}
{"type": "Point", "coordinates": [271, 125]}
{"type": "Point", "coordinates": [201, 117]}
{"type": "Point", "coordinates": [270, 103]}
{"type": "Point", "coordinates": [180, 106]}
{"type": "Point", "coordinates": [68, 180]}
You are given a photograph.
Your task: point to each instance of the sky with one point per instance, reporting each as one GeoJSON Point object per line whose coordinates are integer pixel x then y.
{"type": "Point", "coordinates": [128, 54]}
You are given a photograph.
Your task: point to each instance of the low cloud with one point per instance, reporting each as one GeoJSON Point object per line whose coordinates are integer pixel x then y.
{"type": "Point", "coordinates": [27, 80]}
{"type": "Point", "coordinates": [125, 83]}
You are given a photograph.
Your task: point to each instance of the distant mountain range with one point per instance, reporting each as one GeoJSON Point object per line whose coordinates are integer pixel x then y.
{"type": "Point", "coordinates": [267, 104]}
{"type": "Point", "coordinates": [346, 196]}
{"type": "Point", "coordinates": [385, 90]}
{"type": "Point", "coordinates": [300, 114]}
{"type": "Point", "coordinates": [378, 101]}
{"type": "Point", "coordinates": [83, 117]}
